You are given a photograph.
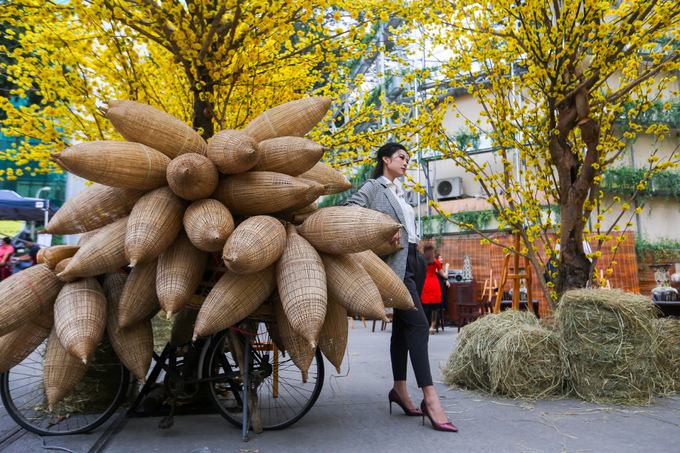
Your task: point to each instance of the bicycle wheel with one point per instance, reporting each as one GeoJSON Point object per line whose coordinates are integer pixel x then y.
{"type": "Point", "coordinates": [91, 403]}
{"type": "Point", "coordinates": [283, 396]}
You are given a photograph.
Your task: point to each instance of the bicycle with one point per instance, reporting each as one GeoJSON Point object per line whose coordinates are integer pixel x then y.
{"type": "Point", "coordinates": [232, 368]}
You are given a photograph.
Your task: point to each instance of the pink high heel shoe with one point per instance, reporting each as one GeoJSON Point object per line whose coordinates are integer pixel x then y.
{"type": "Point", "coordinates": [393, 397]}
{"type": "Point", "coordinates": [448, 426]}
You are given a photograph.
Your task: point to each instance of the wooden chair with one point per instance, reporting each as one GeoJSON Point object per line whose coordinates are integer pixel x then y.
{"type": "Point", "coordinates": [489, 292]}
{"type": "Point", "coordinates": [516, 276]}
{"type": "Point", "coordinates": [351, 318]}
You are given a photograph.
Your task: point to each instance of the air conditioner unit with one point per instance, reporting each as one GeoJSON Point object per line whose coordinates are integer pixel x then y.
{"type": "Point", "coordinates": [448, 188]}
{"type": "Point", "coordinates": [412, 197]}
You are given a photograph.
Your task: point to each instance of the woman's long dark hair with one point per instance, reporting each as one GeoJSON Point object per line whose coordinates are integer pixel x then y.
{"type": "Point", "coordinates": [428, 251]}
{"type": "Point", "coordinates": [386, 150]}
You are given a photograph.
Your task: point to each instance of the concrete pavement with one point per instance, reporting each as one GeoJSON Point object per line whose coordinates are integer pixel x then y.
{"type": "Point", "coordinates": [352, 415]}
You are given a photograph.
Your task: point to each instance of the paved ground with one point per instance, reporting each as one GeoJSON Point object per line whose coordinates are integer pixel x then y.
{"type": "Point", "coordinates": [352, 415]}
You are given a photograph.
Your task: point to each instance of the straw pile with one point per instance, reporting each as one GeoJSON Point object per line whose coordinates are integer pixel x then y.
{"type": "Point", "coordinates": [608, 345]}
{"type": "Point", "coordinates": [668, 355]}
{"type": "Point", "coordinates": [470, 363]}
{"type": "Point", "coordinates": [138, 214]}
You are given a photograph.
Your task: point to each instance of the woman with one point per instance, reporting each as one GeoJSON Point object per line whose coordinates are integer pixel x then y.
{"type": "Point", "coordinates": [445, 285]}
{"type": "Point", "coordinates": [6, 251]}
{"type": "Point", "coordinates": [432, 291]}
{"type": "Point", "coordinates": [409, 328]}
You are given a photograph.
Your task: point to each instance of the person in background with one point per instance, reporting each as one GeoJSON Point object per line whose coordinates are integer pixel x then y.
{"type": "Point", "coordinates": [432, 291]}
{"type": "Point", "coordinates": [6, 251]}
{"type": "Point", "coordinates": [444, 285]}
{"type": "Point", "coordinates": [409, 328]}
{"type": "Point", "coordinates": [27, 260]}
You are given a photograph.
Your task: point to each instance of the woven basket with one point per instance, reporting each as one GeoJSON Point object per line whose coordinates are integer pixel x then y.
{"type": "Point", "coordinates": [259, 192]}
{"type": "Point", "coordinates": [133, 345]}
{"type": "Point", "coordinates": [192, 176]}
{"type": "Point", "coordinates": [154, 223]}
{"type": "Point", "coordinates": [315, 191]}
{"type": "Point", "coordinates": [18, 344]}
{"type": "Point", "coordinates": [300, 350]}
{"type": "Point", "coordinates": [208, 224]}
{"type": "Point", "coordinates": [40, 256]}
{"type": "Point", "coordinates": [61, 371]}
{"type": "Point", "coordinates": [233, 298]}
{"type": "Point", "coordinates": [386, 249]}
{"type": "Point", "coordinates": [53, 255]}
{"type": "Point", "coordinates": [25, 295]}
{"type": "Point", "coordinates": [93, 208]}
{"type": "Point", "coordinates": [139, 300]}
{"type": "Point", "coordinates": [60, 267]}
{"type": "Point", "coordinates": [331, 179]}
{"type": "Point", "coordinates": [294, 118]}
{"type": "Point", "coordinates": [103, 253]}
{"type": "Point", "coordinates": [80, 317]}
{"type": "Point", "coordinates": [180, 270]}
{"type": "Point", "coordinates": [138, 122]}
{"type": "Point", "coordinates": [301, 280]}
{"type": "Point", "coordinates": [116, 164]}
{"type": "Point", "coordinates": [392, 289]}
{"type": "Point", "coordinates": [233, 151]}
{"type": "Point", "coordinates": [333, 335]}
{"type": "Point", "coordinates": [289, 155]}
{"type": "Point", "coordinates": [254, 245]}
{"type": "Point", "coordinates": [347, 229]}
{"type": "Point", "coordinates": [87, 236]}
{"type": "Point", "coordinates": [350, 285]}
{"type": "Point", "coordinates": [183, 326]}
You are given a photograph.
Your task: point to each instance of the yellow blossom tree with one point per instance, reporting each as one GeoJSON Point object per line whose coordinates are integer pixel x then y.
{"type": "Point", "coordinates": [215, 64]}
{"type": "Point", "coordinates": [562, 87]}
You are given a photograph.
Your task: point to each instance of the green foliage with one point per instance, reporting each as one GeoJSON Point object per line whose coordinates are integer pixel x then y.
{"type": "Point", "coordinates": [664, 249]}
{"type": "Point", "coordinates": [659, 112]}
{"type": "Point", "coordinates": [435, 226]}
{"type": "Point", "coordinates": [625, 180]}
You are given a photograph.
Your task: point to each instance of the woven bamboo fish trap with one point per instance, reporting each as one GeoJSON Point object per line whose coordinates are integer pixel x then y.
{"type": "Point", "coordinates": [259, 192]}
{"type": "Point", "coordinates": [314, 192]}
{"type": "Point", "coordinates": [87, 236]}
{"type": "Point", "coordinates": [80, 317]}
{"type": "Point", "coordinates": [60, 267]}
{"type": "Point", "coordinates": [40, 256]}
{"type": "Point", "coordinates": [347, 229]}
{"type": "Point", "coordinates": [208, 223]}
{"type": "Point", "coordinates": [53, 255]}
{"type": "Point", "coordinates": [62, 371]}
{"type": "Point", "coordinates": [183, 326]}
{"type": "Point", "coordinates": [300, 350]}
{"type": "Point", "coordinates": [334, 332]}
{"type": "Point", "coordinates": [104, 252]}
{"type": "Point", "coordinates": [93, 208]}
{"type": "Point", "coordinates": [295, 118]}
{"type": "Point", "coordinates": [180, 270]}
{"type": "Point", "coordinates": [116, 164]}
{"type": "Point", "coordinates": [386, 249]}
{"type": "Point", "coordinates": [154, 223]}
{"type": "Point", "coordinates": [143, 123]}
{"type": "Point", "coordinates": [233, 298]}
{"type": "Point", "coordinates": [233, 151]}
{"type": "Point", "coordinates": [289, 155]}
{"type": "Point", "coordinates": [18, 344]}
{"type": "Point", "coordinates": [192, 176]}
{"type": "Point", "coordinates": [25, 295]}
{"type": "Point", "coordinates": [134, 344]}
{"type": "Point", "coordinates": [350, 285]}
{"type": "Point", "coordinates": [139, 300]}
{"type": "Point", "coordinates": [332, 180]}
{"type": "Point", "coordinates": [301, 280]}
{"type": "Point", "coordinates": [392, 289]}
{"type": "Point", "coordinates": [254, 245]}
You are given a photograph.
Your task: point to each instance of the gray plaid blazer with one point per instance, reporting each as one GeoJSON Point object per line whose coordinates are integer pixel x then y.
{"type": "Point", "coordinates": [377, 196]}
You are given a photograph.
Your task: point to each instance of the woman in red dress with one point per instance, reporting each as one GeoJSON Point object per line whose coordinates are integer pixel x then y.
{"type": "Point", "coordinates": [432, 292]}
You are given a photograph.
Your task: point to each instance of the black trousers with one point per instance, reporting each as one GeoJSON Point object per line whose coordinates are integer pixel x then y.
{"type": "Point", "coordinates": [410, 329]}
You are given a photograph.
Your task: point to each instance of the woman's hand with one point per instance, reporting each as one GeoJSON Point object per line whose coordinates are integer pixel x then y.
{"type": "Point", "coordinates": [396, 239]}
{"type": "Point", "coordinates": [448, 285]}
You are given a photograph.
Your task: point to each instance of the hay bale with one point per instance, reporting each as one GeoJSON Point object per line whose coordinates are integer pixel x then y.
{"type": "Point", "coordinates": [668, 355]}
{"type": "Point", "coordinates": [469, 363]}
{"type": "Point", "coordinates": [526, 363]}
{"type": "Point", "coordinates": [608, 345]}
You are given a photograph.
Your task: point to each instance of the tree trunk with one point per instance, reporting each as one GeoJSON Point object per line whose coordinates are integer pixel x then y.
{"type": "Point", "coordinates": [203, 110]}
